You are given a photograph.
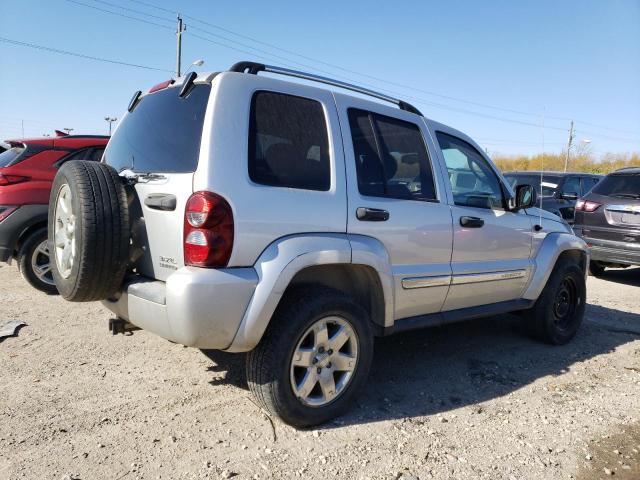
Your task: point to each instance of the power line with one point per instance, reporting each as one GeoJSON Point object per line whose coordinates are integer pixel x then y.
{"type": "Point", "coordinates": [79, 55]}
{"type": "Point", "coordinates": [291, 52]}
{"type": "Point", "coordinates": [120, 14]}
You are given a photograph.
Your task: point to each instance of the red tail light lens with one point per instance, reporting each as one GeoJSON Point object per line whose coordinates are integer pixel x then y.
{"type": "Point", "coordinates": [587, 206]}
{"type": "Point", "coordinates": [208, 231]}
{"type": "Point", "coordinates": [12, 179]}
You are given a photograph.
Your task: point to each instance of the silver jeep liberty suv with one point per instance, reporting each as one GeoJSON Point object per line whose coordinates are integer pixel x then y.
{"type": "Point", "coordinates": [241, 212]}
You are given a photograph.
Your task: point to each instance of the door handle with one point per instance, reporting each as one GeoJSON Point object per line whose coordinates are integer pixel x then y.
{"type": "Point", "coordinates": [371, 214]}
{"type": "Point", "coordinates": [471, 222]}
{"type": "Point", "coordinates": [161, 201]}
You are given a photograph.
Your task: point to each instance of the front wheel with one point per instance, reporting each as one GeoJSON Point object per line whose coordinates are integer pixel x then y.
{"type": "Point", "coordinates": [558, 312]}
{"type": "Point", "coordinates": [313, 359]}
{"type": "Point", "coordinates": [34, 262]}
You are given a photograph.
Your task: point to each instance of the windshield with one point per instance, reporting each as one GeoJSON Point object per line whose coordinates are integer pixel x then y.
{"type": "Point", "coordinates": [549, 183]}
{"type": "Point", "coordinates": [9, 156]}
{"type": "Point", "coordinates": [162, 134]}
{"type": "Point", "coordinates": [619, 185]}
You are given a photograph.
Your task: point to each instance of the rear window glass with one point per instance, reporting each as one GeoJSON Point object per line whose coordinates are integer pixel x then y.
{"type": "Point", "coordinates": [288, 142]}
{"type": "Point", "coordinates": [9, 156]}
{"type": "Point", "coordinates": [619, 185]}
{"type": "Point", "coordinates": [162, 134]}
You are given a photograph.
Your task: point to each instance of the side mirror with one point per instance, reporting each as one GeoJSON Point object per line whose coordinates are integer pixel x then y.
{"type": "Point", "coordinates": [573, 196]}
{"type": "Point", "coordinates": [526, 197]}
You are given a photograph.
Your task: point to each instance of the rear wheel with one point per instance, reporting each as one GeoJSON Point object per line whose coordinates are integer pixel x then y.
{"type": "Point", "coordinates": [34, 262]}
{"type": "Point", "coordinates": [313, 359]}
{"type": "Point", "coordinates": [558, 312]}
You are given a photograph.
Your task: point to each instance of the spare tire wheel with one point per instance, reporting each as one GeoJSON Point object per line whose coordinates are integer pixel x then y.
{"type": "Point", "coordinates": [88, 231]}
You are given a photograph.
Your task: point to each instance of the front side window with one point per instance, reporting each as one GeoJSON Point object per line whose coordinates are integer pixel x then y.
{"type": "Point", "coordinates": [588, 183]}
{"type": "Point", "coordinates": [473, 181]}
{"type": "Point", "coordinates": [391, 157]}
{"type": "Point", "coordinates": [288, 142]}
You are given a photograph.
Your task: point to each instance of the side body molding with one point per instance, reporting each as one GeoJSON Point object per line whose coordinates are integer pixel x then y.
{"type": "Point", "coordinates": [279, 263]}
{"type": "Point", "coordinates": [544, 259]}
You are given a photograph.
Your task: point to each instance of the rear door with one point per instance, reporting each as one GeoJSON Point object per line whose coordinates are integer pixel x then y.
{"type": "Point", "coordinates": [395, 198]}
{"type": "Point", "coordinates": [160, 141]}
{"type": "Point", "coordinates": [491, 245]}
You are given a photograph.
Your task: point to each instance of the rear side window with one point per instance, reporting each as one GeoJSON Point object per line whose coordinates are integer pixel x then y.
{"type": "Point", "coordinates": [288, 142]}
{"type": "Point", "coordinates": [162, 134]}
{"type": "Point", "coordinates": [619, 185]}
{"type": "Point", "coordinates": [391, 157]}
{"type": "Point", "coordinates": [8, 157]}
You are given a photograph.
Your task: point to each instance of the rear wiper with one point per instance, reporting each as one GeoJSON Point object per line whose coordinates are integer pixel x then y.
{"type": "Point", "coordinates": [625, 195]}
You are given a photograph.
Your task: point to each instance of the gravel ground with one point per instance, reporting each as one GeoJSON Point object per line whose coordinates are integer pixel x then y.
{"type": "Point", "coordinates": [465, 401]}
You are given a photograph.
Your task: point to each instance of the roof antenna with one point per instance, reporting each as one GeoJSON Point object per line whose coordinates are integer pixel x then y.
{"type": "Point", "coordinates": [544, 111]}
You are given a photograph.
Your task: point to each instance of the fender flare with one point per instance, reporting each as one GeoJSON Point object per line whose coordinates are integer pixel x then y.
{"type": "Point", "coordinates": [553, 245]}
{"type": "Point", "coordinates": [284, 258]}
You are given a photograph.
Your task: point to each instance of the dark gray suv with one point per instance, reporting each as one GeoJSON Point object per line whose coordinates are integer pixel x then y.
{"type": "Point", "coordinates": [608, 219]}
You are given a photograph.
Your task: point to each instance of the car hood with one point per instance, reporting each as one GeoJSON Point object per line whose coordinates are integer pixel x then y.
{"type": "Point", "coordinates": [549, 219]}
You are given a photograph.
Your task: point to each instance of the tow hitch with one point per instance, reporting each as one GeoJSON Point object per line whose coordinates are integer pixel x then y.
{"type": "Point", "coordinates": [119, 325]}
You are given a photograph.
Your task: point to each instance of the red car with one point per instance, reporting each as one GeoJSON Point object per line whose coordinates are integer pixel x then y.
{"type": "Point", "coordinates": [26, 175]}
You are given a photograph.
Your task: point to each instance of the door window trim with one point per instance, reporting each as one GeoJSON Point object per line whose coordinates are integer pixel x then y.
{"type": "Point", "coordinates": [503, 188]}
{"type": "Point", "coordinates": [376, 136]}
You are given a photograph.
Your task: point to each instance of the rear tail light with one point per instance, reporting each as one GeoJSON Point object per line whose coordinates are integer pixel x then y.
{"type": "Point", "coordinates": [5, 211]}
{"type": "Point", "coordinates": [12, 179]}
{"type": "Point", "coordinates": [587, 206]}
{"type": "Point", "coordinates": [208, 231]}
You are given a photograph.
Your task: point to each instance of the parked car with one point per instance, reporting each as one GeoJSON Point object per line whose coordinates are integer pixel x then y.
{"type": "Point", "coordinates": [27, 170]}
{"type": "Point", "coordinates": [557, 192]}
{"type": "Point", "coordinates": [608, 219]}
{"type": "Point", "coordinates": [241, 212]}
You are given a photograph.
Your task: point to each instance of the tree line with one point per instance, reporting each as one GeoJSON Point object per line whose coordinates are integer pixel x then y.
{"type": "Point", "coordinates": [582, 162]}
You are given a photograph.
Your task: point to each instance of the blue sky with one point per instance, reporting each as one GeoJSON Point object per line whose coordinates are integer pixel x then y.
{"type": "Point", "coordinates": [488, 68]}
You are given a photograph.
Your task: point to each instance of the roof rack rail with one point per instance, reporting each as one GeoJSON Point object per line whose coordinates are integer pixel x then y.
{"type": "Point", "coordinates": [254, 67]}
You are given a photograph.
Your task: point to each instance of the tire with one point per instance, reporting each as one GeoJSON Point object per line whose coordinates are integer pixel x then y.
{"type": "Point", "coordinates": [596, 269]}
{"type": "Point", "coordinates": [90, 242]}
{"type": "Point", "coordinates": [34, 263]}
{"type": "Point", "coordinates": [557, 314]}
{"type": "Point", "coordinates": [271, 376]}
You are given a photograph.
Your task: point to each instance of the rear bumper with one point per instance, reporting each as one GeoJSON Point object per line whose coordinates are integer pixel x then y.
{"type": "Point", "coordinates": [197, 307]}
{"type": "Point", "coordinates": [12, 227]}
{"type": "Point", "coordinates": [613, 252]}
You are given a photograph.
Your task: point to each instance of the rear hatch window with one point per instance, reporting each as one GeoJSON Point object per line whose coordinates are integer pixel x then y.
{"type": "Point", "coordinates": [619, 186]}
{"type": "Point", "coordinates": [162, 134]}
{"type": "Point", "coordinates": [9, 157]}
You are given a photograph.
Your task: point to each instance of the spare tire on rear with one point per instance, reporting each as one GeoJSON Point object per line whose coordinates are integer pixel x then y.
{"type": "Point", "coordinates": [88, 231]}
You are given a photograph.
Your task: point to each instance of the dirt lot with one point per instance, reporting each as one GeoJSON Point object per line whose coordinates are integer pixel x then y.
{"type": "Point", "coordinates": [473, 400]}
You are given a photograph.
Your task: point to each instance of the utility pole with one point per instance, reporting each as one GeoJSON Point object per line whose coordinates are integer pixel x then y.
{"type": "Point", "coordinates": [22, 124]}
{"type": "Point", "coordinates": [110, 120]}
{"type": "Point", "coordinates": [569, 142]}
{"type": "Point", "coordinates": [179, 32]}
